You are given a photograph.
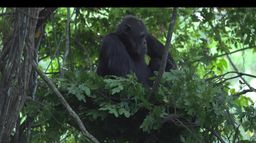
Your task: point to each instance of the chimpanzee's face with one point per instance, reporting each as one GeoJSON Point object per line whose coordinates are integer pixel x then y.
{"type": "Point", "coordinates": [135, 32]}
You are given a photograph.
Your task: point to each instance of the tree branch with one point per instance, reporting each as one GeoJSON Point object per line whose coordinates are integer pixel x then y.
{"type": "Point", "coordinates": [164, 59]}
{"type": "Point", "coordinates": [243, 92]}
{"type": "Point", "coordinates": [230, 72]}
{"type": "Point", "coordinates": [230, 61]}
{"type": "Point", "coordinates": [67, 43]}
{"type": "Point", "coordinates": [217, 56]}
{"type": "Point", "coordinates": [242, 49]}
{"type": "Point", "coordinates": [65, 104]}
{"type": "Point", "coordinates": [235, 68]}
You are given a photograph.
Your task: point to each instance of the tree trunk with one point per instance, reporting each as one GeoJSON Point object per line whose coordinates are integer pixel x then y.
{"type": "Point", "coordinates": [16, 72]}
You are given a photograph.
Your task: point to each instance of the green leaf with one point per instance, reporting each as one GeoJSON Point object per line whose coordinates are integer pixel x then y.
{"type": "Point", "coordinates": [84, 88]}
{"type": "Point", "coordinates": [112, 109]}
{"type": "Point", "coordinates": [125, 112]}
{"type": "Point", "coordinates": [232, 91]}
{"type": "Point", "coordinates": [147, 124]}
{"type": "Point", "coordinates": [117, 89]}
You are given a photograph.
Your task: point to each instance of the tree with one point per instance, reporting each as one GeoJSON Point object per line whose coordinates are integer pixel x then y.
{"type": "Point", "coordinates": [16, 69]}
{"type": "Point", "coordinates": [197, 102]}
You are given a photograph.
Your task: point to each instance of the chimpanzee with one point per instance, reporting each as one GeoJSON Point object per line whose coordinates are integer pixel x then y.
{"type": "Point", "coordinates": [155, 52]}
{"type": "Point", "coordinates": [124, 51]}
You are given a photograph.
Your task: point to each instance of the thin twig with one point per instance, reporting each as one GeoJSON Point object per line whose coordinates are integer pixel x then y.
{"type": "Point", "coordinates": [230, 72]}
{"type": "Point", "coordinates": [65, 104]}
{"type": "Point", "coordinates": [243, 92]}
{"type": "Point", "coordinates": [222, 80]}
{"type": "Point", "coordinates": [221, 55]}
{"type": "Point", "coordinates": [67, 43]}
{"type": "Point", "coordinates": [242, 49]}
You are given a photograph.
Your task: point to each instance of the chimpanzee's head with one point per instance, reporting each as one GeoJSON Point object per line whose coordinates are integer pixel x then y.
{"type": "Point", "coordinates": [133, 33]}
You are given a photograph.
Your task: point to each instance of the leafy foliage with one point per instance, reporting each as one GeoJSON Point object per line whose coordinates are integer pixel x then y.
{"type": "Point", "coordinates": [197, 101]}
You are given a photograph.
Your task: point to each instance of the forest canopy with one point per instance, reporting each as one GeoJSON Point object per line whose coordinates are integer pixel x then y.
{"type": "Point", "coordinates": [50, 91]}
